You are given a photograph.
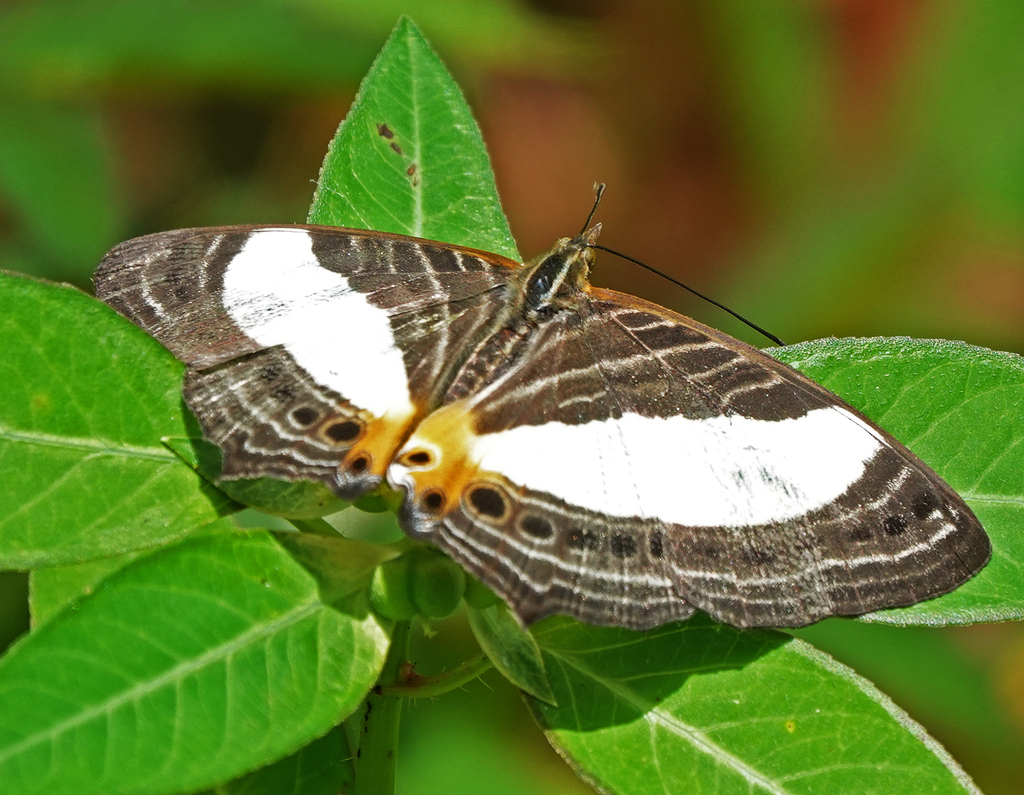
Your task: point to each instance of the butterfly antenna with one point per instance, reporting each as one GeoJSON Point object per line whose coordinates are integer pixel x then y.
{"type": "Point", "coordinates": [598, 193]}
{"type": "Point", "coordinates": [736, 315]}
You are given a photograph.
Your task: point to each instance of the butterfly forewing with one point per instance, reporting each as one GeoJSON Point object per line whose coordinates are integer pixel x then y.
{"type": "Point", "coordinates": [580, 451]}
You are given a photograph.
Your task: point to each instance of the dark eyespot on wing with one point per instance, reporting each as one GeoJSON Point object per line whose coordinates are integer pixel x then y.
{"type": "Point", "coordinates": [305, 416]}
{"type": "Point", "coordinates": [536, 526]}
{"type": "Point", "coordinates": [894, 525]}
{"type": "Point", "coordinates": [433, 501]}
{"type": "Point", "coordinates": [582, 539]}
{"type": "Point", "coordinates": [345, 431]}
{"type": "Point", "coordinates": [488, 502]}
{"type": "Point", "coordinates": [623, 546]}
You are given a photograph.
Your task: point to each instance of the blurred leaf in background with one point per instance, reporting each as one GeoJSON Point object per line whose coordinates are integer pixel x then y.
{"type": "Point", "coordinates": [831, 167]}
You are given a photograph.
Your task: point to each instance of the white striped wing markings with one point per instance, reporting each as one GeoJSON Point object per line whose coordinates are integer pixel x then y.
{"type": "Point", "coordinates": [728, 471]}
{"type": "Point", "coordinates": [276, 291]}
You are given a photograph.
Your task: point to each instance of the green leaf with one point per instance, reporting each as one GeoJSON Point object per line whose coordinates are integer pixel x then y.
{"type": "Point", "coordinates": [958, 407]}
{"type": "Point", "coordinates": [324, 767]}
{"type": "Point", "coordinates": [187, 667]}
{"type": "Point", "coordinates": [511, 649]}
{"type": "Point", "coordinates": [51, 589]}
{"type": "Point", "coordinates": [698, 706]}
{"type": "Point", "coordinates": [916, 663]}
{"type": "Point", "coordinates": [342, 567]}
{"type": "Point", "coordinates": [409, 158]}
{"type": "Point", "coordinates": [86, 399]}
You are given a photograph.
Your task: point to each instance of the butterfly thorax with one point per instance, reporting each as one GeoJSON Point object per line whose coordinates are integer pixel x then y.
{"type": "Point", "coordinates": [546, 285]}
{"type": "Point", "coordinates": [554, 280]}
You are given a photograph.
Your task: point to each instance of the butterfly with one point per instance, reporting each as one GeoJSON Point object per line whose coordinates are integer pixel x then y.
{"type": "Point", "coordinates": [578, 450]}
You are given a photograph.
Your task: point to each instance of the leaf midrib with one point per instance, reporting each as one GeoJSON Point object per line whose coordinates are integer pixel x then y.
{"type": "Point", "coordinates": [94, 445]}
{"type": "Point", "coordinates": [697, 738]}
{"type": "Point", "coordinates": [171, 676]}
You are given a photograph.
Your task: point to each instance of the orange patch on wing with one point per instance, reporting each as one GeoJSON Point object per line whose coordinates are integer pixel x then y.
{"type": "Point", "coordinates": [447, 437]}
{"type": "Point", "coordinates": [380, 441]}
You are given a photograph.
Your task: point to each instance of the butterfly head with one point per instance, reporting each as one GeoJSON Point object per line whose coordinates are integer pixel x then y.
{"type": "Point", "coordinates": [551, 280]}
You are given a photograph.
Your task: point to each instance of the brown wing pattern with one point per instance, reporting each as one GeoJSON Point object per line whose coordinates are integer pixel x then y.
{"type": "Point", "coordinates": [897, 535]}
{"type": "Point", "coordinates": [262, 407]}
{"type": "Point", "coordinates": [531, 408]}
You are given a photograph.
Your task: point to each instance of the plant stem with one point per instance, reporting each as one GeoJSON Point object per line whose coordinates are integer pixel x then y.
{"type": "Point", "coordinates": [316, 526]}
{"type": "Point", "coordinates": [433, 686]}
{"type": "Point", "coordinates": [377, 757]}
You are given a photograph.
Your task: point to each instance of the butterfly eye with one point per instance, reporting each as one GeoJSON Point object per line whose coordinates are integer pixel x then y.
{"type": "Point", "coordinates": [360, 463]}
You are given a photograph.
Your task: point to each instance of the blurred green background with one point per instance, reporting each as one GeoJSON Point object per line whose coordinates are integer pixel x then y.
{"type": "Point", "coordinates": [828, 167]}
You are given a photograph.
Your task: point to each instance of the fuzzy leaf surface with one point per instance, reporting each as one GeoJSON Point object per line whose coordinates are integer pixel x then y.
{"type": "Point", "coordinates": [702, 707]}
{"type": "Point", "coordinates": [187, 667]}
{"type": "Point", "coordinates": [86, 399]}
